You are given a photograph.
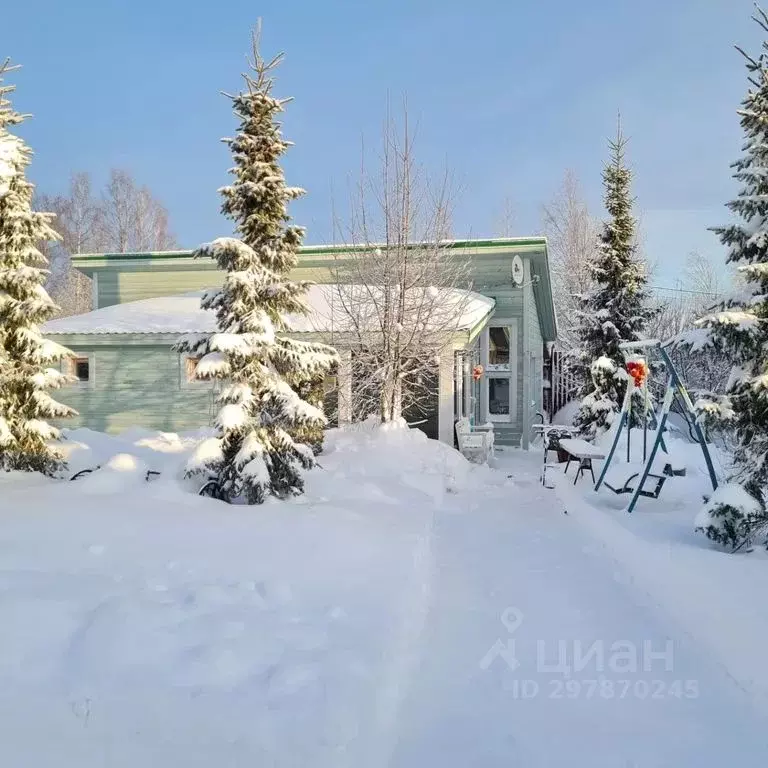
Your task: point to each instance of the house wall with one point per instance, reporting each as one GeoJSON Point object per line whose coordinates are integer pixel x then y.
{"type": "Point", "coordinates": [492, 277]}
{"type": "Point", "coordinates": [144, 385]}
{"type": "Point", "coordinates": [118, 284]}
{"type": "Point", "coordinates": [533, 359]}
{"type": "Point", "coordinates": [136, 386]}
{"type": "Point", "coordinates": [158, 373]}
{"type": "Point", "coordinates": [535, 348]}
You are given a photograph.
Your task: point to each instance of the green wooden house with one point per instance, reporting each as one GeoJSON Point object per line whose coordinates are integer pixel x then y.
{"type": "Point", "coordinates": [128, 374]}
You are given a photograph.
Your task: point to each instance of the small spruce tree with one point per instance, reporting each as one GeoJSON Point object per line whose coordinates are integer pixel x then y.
{"type": "Point", "coordinates": [617, 308]}
{"type": "Point", "coordinates": [258, 449]}
{"type": "Point", "coordinates": [739, 327]}
{"type": "Point", "coordinates": [25, 356]}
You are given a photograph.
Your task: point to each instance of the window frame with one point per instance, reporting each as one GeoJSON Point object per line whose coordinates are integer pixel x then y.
{"type": "Point", "coordinates": [191, 383]}
{"type": "Point", "coordinates": [68, 366]}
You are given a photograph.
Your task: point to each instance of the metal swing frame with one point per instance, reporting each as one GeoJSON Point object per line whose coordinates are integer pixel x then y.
{"type": "Point", "coordinates": [675, 387]}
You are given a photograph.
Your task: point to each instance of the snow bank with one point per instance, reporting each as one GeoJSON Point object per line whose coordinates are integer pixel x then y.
{"type": "Point", "coordinates": [121, 472]}
{"type": "Point", "coordinates": [369, 457]}
{"type": "Point", "coordinates": [567, 413]}
{"type": "Point", "coordinates": [669, 565]}
{"type": "Point", "coordinates": [360, 461]}
{"type": "Point", "coordinates": [150, 621]}
{"type": "Point", "coordinates": [681, 454]}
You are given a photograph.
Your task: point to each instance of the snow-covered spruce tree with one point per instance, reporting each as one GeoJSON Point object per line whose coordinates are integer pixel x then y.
{"type": "Point", "coordinates": [257, 451]}
{"type": "Point", "coordinates": [25, 406]}
{"type": "Point", "coordinates": [739, 327]}
{"type": "Point", "coordinates": [617, 308]}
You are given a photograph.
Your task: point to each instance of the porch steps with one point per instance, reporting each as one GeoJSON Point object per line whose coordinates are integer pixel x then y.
{"type": "Point", "coordinates": [508, 436]}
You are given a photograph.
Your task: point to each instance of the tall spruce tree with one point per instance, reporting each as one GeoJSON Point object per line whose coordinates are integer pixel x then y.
{"type": "Point", "coordinates": [25, 356]}
{"type": "Point", "coordinates": [257, 450]}
{"type": "Point", "coordinates": [617, 308]}
{"type": "Point", "coordinates": [739, 327]}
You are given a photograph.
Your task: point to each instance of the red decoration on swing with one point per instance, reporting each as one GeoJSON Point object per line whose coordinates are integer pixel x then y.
{"type": "Point", "coordinates": [477, 372]}
{"type": "Point", "coordinates": [638, 370]}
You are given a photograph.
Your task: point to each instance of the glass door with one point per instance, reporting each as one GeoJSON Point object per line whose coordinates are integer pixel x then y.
{"type": "Point", "coordinates": [499, 350]}
{"type": "Point", "coordinates": [500, 376]}
{"type": "Point", "coordinates": [499, 398]}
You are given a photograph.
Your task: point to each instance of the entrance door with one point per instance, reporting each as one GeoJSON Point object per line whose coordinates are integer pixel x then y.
{"type": "Point", "coordinates": [499, 398]}
{"type": "Point", "coordinates": [500, 362]}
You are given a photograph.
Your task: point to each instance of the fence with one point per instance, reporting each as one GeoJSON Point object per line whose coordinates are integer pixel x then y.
{"type": "Point", "coordinates": [560, 384]}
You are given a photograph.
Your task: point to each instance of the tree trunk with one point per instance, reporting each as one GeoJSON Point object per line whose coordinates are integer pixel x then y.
{"type": "Point", "coordinates": [391, 399]}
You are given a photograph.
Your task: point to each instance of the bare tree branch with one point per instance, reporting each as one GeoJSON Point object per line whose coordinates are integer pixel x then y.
{"type": "Point", "coordinates": [572, 236]}
{"type": "Point", "coordinates": [402, 287]}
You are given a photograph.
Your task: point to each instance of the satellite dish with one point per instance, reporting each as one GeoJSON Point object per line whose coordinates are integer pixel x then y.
{"type": "Point", "coordinates": [518, 272]}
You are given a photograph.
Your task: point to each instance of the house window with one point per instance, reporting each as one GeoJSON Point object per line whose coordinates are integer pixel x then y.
{"type": "Point", "coordinates": [498, 345]}
{"type": "Point", "coordinates": [190, 368]}
{"type": "Point", "coordinates": [188, 375]}
{"type": "Point", "coordinates": [81, 369]}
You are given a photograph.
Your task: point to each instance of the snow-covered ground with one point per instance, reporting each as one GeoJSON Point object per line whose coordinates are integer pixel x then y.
{"type": "Point", "coordinates": [410, 610]}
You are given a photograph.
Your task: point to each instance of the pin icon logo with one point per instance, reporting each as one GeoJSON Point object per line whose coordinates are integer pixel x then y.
{"type": "Point", "coordinates": [511, 618]}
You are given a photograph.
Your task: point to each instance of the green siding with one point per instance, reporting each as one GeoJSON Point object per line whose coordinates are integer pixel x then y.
{"type": "Point", "coordinates": [535, 346]}
{"type": "Point", "coordinates": [142, 282]}
{"type": "Point", "coordinates": [137, 386]}
{"type": "Point", "coordinates": [140, 384]}
{"type": "Point", "coordinates": [130, 277]}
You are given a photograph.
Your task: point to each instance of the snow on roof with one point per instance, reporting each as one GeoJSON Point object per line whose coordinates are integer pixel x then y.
{"type": "Point", "coordinates": [182, 314]}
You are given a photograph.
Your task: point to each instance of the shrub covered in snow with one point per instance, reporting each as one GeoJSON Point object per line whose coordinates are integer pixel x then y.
{"type": "Point", "coordinates": [599, 406]}
{"type": "Point", "coordinates": [732, 517]}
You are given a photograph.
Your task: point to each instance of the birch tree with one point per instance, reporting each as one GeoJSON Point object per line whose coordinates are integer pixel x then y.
{"type": "Point", "coordinates": [401, 284]}
{"type": "Point", "coordinates": [573, 240]}
{"type": "Point", "coordinates": [123, 217]}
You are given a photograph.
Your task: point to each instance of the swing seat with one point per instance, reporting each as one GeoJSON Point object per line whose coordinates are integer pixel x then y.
{"type": "Point", "coordinates": [624, 479]}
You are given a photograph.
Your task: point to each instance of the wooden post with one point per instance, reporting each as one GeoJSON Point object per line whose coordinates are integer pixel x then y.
{"type": "Point", "coordinates": [445, 414]}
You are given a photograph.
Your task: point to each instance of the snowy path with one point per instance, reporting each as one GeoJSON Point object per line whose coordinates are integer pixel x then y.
{"type": "Point", "coordinates": [519, 554]}
{"type": "Point", "coordinates": [352, 628]}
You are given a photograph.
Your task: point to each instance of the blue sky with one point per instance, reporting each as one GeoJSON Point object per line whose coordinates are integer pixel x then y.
{"type": "Point", "coordinates": [508, 93]}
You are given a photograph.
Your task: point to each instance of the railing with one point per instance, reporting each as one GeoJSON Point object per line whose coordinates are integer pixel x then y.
{"type": "Point", "coordinates": [563, 383]}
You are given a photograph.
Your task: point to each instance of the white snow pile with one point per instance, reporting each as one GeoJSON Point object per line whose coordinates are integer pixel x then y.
{"type": "Point", "coordinates": [677, 454]}
{"type": "Point", "coordinates": [148, 623]}
{"type": "Point", "coordinates": [367, 623]}
{"type": "Point", "coordinates": [325, 304]}
{"type": "Point", "coordinates": [567, 413]}
{"type": "Point", "coordinates": [359, 462]}
{"type": "Point", "coordinates": [365, 457]}
{"type": "Point", "coordinates": [120, 473]}
{"type": "Point", "coordinates": [150, 450]}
